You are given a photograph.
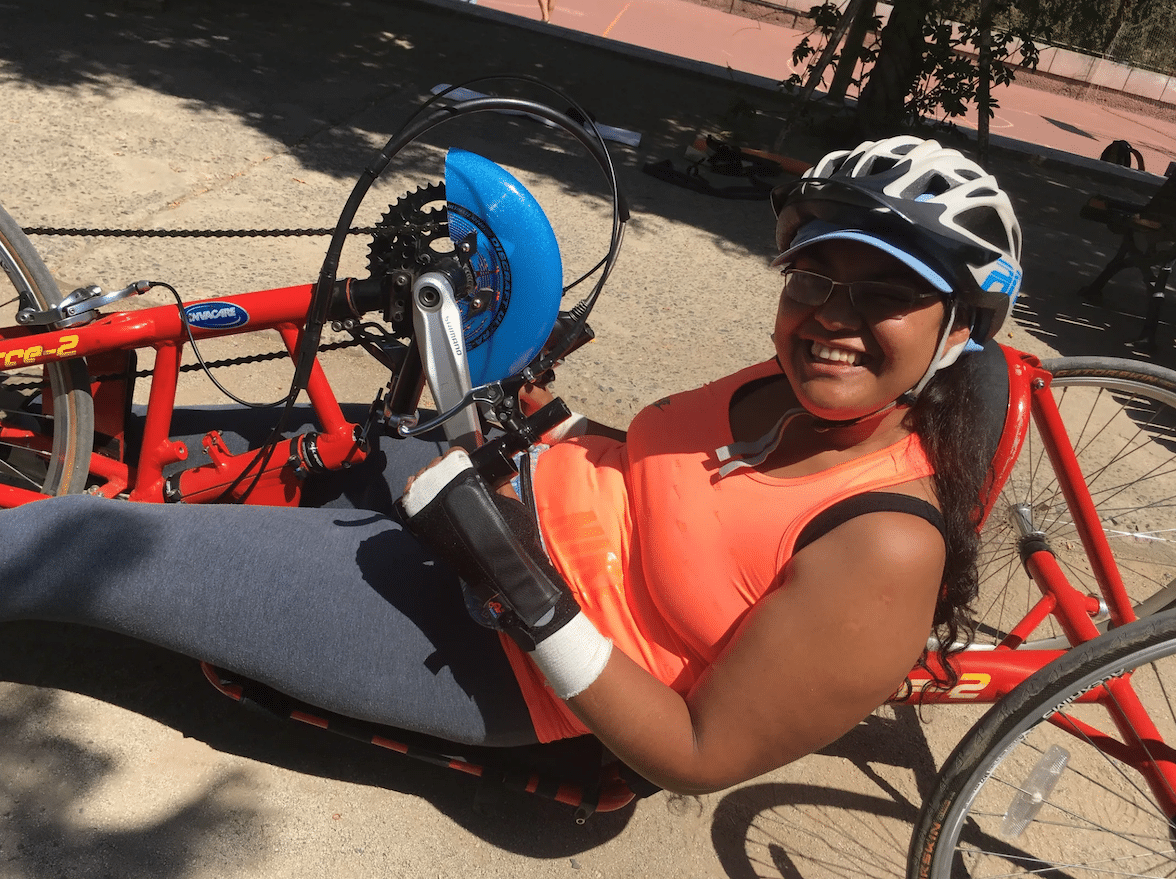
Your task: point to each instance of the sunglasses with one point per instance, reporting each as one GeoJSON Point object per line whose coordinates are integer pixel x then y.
{"type": "Point", "coordinates": [873, 300]}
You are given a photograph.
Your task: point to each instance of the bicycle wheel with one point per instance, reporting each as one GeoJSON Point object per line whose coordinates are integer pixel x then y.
{"type": "Point", "coordinates": [1022, 796]}
{"type": "Point", "coordinates": [1120, 416]}
{"type": "Point", "coordinates": [46, 413]}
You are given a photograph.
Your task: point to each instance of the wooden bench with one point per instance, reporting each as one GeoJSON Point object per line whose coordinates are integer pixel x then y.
{"type": "Point", "coordinates": [1148, 243]}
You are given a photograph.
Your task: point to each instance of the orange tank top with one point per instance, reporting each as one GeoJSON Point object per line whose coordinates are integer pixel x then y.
{"type": "Point", "coordinates": [665, 555]}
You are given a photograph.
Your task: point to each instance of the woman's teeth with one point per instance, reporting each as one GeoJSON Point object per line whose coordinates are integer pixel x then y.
{"type": "Point", "coordinates": [837, 355]}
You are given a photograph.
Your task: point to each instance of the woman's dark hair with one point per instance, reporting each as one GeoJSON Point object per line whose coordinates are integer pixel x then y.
{"type": "Point", "coordinates": [944, 418]}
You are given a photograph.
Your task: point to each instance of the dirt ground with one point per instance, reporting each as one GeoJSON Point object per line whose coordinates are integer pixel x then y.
{"type": "Point", "coordinates": [116, 758]}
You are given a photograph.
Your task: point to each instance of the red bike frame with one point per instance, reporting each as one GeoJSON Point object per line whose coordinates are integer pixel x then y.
{"type": "Point", "coordinates": [987, 675]}
{"type": "Point", "coordinates": [161, 329]}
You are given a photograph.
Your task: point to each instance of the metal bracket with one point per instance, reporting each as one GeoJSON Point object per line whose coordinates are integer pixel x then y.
{"type": "Point", "coordinates": [79, 307]}
{"type": "Point", "coordinates": [438, 324]}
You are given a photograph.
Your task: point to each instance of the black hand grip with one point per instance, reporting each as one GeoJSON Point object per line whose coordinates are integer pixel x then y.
{"type": "Point", "coordinates": [494, 460]}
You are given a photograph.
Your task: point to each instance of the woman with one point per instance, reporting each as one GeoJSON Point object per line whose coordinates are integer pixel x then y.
{"type": "Point", "coordinates": [735, 583]}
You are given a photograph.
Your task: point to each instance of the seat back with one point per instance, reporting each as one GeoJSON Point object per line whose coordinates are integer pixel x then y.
{"type": "Point", "coordinates": [1003, 419]}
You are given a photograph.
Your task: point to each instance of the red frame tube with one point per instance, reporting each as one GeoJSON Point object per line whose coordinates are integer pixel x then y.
{"type": "Point", "coordinates": [282, 309]}
{"type": "Point", "coordinates": [1084, 514]}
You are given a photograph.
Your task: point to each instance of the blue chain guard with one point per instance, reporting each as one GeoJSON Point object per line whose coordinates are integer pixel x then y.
{"type": "Point", "coordinates": [516, 265]}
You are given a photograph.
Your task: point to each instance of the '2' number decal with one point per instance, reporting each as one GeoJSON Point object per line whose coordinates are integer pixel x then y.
{"type": "Point", "coordinates": [36, 353]}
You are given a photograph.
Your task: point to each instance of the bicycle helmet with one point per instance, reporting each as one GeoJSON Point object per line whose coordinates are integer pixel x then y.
{"type": "Point", "coordinates": [929, 206]}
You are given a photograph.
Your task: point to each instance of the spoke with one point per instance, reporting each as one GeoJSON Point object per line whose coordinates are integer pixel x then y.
{"type": "Point", "coordinates": [1053, 868]}
{"type": "Point", "coordinates": [20, 474]}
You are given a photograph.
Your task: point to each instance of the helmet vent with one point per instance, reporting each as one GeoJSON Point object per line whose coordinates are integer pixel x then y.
{"type": "Point", "coordinates": [935, 185]}
{"type": "Point", "coordinates": [882, 164]}
{"type": "Point", "coordinates": [985, 224]}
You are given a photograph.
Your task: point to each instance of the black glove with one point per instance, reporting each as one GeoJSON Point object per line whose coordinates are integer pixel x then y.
{"type": "Point", "coordinates": [493, 544]}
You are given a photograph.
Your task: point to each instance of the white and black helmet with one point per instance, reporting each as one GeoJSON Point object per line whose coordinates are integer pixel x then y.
{"type": "Point", "coordinates": [934, 202]}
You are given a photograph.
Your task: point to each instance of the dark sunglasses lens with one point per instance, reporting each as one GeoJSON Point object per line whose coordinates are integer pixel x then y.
{"type": "Point", "coordinates": [805, 287]}
{"type": "Point", "coordinates": [880, 300]}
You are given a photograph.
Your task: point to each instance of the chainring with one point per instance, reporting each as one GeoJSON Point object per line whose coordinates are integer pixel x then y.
{"type": "Point", "coordinates": [420, 228]}
{"type": "Point", "coordinates": [406, 233]}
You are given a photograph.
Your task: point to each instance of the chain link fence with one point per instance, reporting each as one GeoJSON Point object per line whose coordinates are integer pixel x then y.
{"type": "Point", "coordinates": [1137, 33]}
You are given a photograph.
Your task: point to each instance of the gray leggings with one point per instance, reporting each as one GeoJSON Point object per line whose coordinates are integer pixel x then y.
{"type": "Point", "coordinates": [335, 606]}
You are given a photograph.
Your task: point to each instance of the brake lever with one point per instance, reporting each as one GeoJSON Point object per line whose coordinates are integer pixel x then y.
{"type": "Point", "coordinates": [492, 395]}
{"type": "Point", "coordinates": [495, 459]}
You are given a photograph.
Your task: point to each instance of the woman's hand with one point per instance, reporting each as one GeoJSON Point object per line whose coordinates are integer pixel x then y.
{"type": "Point", "coordinates": [427, 467]}
{"type": "Point", "coordinates": [533, 397]}
{"type": "Point", "coordinates": [505, 489]}
{"type": "Point", "coordinates": [495, 547]}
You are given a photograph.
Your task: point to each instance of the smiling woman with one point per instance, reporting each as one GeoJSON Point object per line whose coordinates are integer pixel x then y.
{"type": "Point", "coordinates": [816, 505]}
{"type": "Point", "coordinates": [732, 583]}
{"type": "Point", "coordinates": [867, 339]}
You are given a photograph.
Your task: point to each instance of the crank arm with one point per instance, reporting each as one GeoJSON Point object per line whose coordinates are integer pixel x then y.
{"type": "Point", "coordinates": [437, 321]}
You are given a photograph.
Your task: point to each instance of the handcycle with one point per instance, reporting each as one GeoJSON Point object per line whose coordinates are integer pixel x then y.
{"type": "Point", "coordinates": [1082, 456]}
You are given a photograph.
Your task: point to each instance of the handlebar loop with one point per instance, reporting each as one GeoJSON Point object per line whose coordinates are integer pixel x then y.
{"type": "Point", "coordinates": [423, 120]}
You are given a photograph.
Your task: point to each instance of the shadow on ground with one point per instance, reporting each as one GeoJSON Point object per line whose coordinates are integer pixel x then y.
{"type": "Point", "coordinates": [800, 830]}
{"type": "Point", "coordinates": [58, 772]}
{"type": "Point", "coordinates": [312, 76]}
{"type": "Point", "coordinates": [46, 777]}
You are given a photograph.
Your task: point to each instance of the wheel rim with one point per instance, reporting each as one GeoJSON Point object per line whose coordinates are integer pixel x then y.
{"type": "Point", "coordinates": [41, 408]}
{"type": "Point", "coordinates": [1099, 819]}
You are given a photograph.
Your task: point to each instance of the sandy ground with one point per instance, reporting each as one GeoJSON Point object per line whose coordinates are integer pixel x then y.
{"type": "Point", "coordinates": [117, 759]}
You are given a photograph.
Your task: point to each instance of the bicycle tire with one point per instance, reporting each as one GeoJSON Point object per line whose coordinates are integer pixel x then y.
{"type": "Point", "coordinates": [1120, 416]}
{"type": "Point", "coordinates": [1099, 819]}
{"type": "Point", "coordinates": [64, 429]}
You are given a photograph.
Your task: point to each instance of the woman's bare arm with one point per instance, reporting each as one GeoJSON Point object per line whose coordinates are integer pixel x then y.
{"type": "Point", "coordinates": [810, 661]}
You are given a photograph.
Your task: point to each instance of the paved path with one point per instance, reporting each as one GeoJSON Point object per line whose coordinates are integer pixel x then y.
{"type": "Point", "coordinates": [676, 27]}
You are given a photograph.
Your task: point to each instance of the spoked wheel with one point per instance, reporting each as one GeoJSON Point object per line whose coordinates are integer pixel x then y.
{"type": "Point", "coordinates": [1060, 778]}
{"type": "Point", "coordinates": [46, 413]}
{"type": "Point", "coordinates": [1120, 416]}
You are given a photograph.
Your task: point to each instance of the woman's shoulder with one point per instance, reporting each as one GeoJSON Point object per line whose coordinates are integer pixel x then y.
{"type": "Point", "coordinates": [700, 413]}
{"type": "Point", "coordinates": [718, 392]}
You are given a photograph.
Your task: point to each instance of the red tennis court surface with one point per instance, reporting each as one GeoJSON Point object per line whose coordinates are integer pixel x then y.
{"type": "Point", "coordinates": [676, 27]}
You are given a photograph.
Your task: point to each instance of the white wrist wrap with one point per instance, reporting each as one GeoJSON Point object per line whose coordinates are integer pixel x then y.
{"type": "Point", "coordinates": [572, 657]}
{"type": "Point", "coordinates": [429, 484]}
{"type": "Point", "coordinates": [574, 425]}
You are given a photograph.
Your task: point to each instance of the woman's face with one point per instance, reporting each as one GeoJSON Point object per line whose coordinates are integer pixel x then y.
{"type": "Point", "coordinates": [840, 365]}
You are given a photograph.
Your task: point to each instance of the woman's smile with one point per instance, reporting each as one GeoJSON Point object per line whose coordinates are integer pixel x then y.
{"type": "Point", "coordinates": [842, 366]}
{"type": "Point", "coordinates": [823, 353]}
{"type": "Point", "coordinates": [837, 355]}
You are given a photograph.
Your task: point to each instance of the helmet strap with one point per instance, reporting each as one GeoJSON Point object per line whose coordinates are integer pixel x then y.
{"type": "Point", "coordinates": [943, 356]}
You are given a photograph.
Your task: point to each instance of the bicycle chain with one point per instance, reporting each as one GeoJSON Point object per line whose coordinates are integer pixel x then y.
{"type": "Point", "coordinates": [220, 233]}
{"type": "Point", "coordinates": [191, 233]}
{"type": "Point", "coordinates": [243, 360]}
